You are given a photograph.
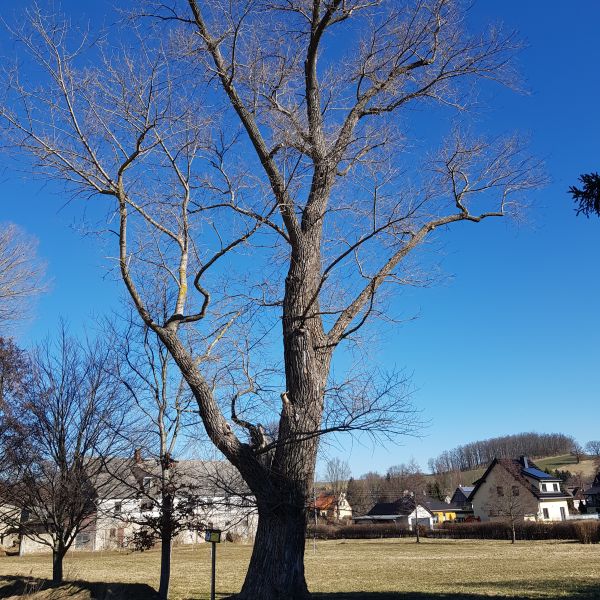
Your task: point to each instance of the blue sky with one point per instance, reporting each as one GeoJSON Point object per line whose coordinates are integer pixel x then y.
{"type": "Point", "coordinates": [508, 340]}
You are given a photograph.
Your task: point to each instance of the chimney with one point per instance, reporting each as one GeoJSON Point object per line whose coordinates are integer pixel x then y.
{"type": "Point", "coordinates": [137, 455]}
{"type": "Point", "coordinates": [524, 462]}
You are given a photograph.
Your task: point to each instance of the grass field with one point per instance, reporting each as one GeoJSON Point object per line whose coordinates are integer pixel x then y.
{"type": "Point", "coordinates": [369, 569]}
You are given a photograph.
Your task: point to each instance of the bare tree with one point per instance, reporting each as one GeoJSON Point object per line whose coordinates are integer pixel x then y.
{"type": "Point", "coordinates": [577, 451]}
{"type": "Point", "coordinates": [263, 170]}
{"type": "Point", "coordinates": [164, 406]}
{"type": "Point", "coordinates": [21, 273]}
{"type": "Point", "coordinates": [408, 480]}
{"type": "Point", "coordinates": [56, 438]}
{"type": "Point", "coordinates": [337, 474]}
{"type": "Point", "coordinates": [593, 448]}
{"type": "Point", "coordinates": [13, 368]}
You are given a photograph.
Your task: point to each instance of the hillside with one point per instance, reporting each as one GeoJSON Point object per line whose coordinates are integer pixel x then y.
{"type": "Point", "coordinates": [564, 462]}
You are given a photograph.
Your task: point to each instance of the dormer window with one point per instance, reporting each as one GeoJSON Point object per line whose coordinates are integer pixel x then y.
{"type": "Point", "coordinates": [556, 487]}
{"type": "Point", "coordinates": [147, 483]}
{"type": "Point", "coordinates": [118, 508]}
{"type": "Point", "coordinates": [544, 487]}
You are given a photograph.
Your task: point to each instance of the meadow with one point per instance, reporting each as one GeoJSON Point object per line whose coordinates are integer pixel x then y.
{"type": "Point", "coordinates": [386, 569]}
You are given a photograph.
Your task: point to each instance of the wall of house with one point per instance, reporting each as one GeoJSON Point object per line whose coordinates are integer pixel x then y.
{"type": "Point", "coordinates": [344, 510]}
{"type": "Point", "coordinates": [553, 508]}
{"type": "Point", "coordinates": [33, 546]}
{"type": "Point", "coordinates": [8, 514]}
{"type": "Point", "coordinates": [115, 529]}
{"type": "Point", "coordinates": [443, 516]}
{"type": "Point", "coordinates": [423, 516]}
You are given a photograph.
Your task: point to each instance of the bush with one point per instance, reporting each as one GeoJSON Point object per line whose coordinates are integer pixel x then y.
{"type": "Point", "coordinates": [355, 532]}
{"type": "Point", "coordinates": [587, 532]}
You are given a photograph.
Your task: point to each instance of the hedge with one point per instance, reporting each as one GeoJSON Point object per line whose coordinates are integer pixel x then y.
{"type": "Point", "coordinates": [586, 532]}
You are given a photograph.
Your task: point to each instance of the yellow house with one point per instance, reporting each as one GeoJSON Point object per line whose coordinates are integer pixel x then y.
{"type": "Point", "coordinates": [442, 511]}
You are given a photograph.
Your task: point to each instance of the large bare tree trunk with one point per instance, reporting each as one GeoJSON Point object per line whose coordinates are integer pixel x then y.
{"type": "Point", "coordinates": [276, 570]}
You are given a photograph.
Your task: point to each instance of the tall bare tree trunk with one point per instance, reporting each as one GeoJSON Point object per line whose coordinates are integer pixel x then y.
{"type": "Point", "coordinates": [276, 570]}
{"type": "Point", "coordinates": [58, 555]}
{"type": "Point", "coordinates": [165, 566]}
{"type": "Point", "coordinates": [166, 546]}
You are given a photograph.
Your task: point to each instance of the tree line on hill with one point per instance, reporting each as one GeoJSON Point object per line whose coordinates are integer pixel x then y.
{"type": "Point", "coordinates": [480, 453]}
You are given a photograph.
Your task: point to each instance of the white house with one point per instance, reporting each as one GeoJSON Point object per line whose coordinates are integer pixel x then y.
{"type": "Point", "coordinates": [518, 488]}
{"type": "Point", "coordinates": [328, 506]}
{"type": "Point", "coordinates": [404, 511]}
{"type": "Point", "coordinates": [124, 507]}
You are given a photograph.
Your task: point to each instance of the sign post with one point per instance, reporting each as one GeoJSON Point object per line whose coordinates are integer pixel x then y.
{"type": "Point", "coordinates": [214, 537]}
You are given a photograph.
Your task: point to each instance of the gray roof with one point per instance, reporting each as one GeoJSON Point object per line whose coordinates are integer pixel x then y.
{"type": "Point", "coordinates": [125, 478]}
{"type": "Point", "coordinates": [439, 505]}
{"type": "Point", "coordinates": [400, 508]}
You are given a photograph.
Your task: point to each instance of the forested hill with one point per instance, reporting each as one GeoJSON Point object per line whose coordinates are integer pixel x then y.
{"type": "Point", "coordinates": [478, 454]}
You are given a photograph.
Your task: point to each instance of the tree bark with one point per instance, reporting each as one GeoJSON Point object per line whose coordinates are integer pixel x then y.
{"type": "Point", "coordinates": [166, 536]}
{"type": "Point", "coordinates": [276, 570]}
{"type": "Point", "coordinates": [58, 555]}
{"type": "Point", "coordinates": [165, 566]}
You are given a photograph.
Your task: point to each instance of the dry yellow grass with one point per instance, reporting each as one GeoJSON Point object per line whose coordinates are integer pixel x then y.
{"type": "Point", "coordinates": [377, 569]}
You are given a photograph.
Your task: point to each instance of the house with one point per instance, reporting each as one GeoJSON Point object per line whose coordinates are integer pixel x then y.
{"type": "Point", "coordinates": [327, 506]}
{"type": "Point", "coordinates": [578, 494]}
{"type": "Point", "coordinates": [461, 499]}
{"type": "Point", "coordinates": [518, 488]}
{"type": "Point", "coordinates": [461, 496]}
{"type": "Point", "coordinates": [211, 490]}
{"type": "Point", "coordinates": [592, 496]}
{"type": "Point", "coordinates": [404, 511]}
{"type": "Point", "coordinates": [442, 511]}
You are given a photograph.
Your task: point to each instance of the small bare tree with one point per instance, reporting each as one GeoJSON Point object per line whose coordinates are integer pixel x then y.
{"type": "Point", "coordinates": [163, 404]}
{"type": "Point", "coordinates": [408, 479]}
{"type": "Point", "coordinates": [13, 369]}
{"type": "Point", "coordinates": [260, 165]}
{"type": "Point", "coordinates": [337, 474]}
{"type": "Point", "coordinates": [21, 273]}
{"type": "Point", "coordinates": [593, 448]}
{"type": "Point", "coordinates": [56, 437]}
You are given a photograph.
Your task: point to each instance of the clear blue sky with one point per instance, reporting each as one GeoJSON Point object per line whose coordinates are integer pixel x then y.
{"type": "Point", "coordinates": [509, 340]}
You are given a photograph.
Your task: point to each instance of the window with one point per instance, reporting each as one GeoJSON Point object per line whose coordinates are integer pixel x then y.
{"type": "Point", "coordinates": [147, 483]}
{"type": "Point", "coordinates": [500, 490]}
{"type": "Point", "coordinates": [556, 488]}
{"type": "Point", "coordinates": [146, 505]}
{"type": "Point", "coordinates": [82, 539]}
{"type": "Point", "coordinates": [544, 487]}
{"type": "Point", "coordinates": [545, 511]}
{"type": "Point", "coordinates": [118, 507]}
{"type": "Point", "coordinates": [112, 533]}
{"type": "Point", "coordinates": [515, 490]}
{"type": "Point", "coordinates": [563, 514]}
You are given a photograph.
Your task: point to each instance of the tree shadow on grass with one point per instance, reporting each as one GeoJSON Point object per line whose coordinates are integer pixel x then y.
{"type": "Point", "coordinates": [31, 586]}
{"type": "Point", "coordinates": [554, 590]}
